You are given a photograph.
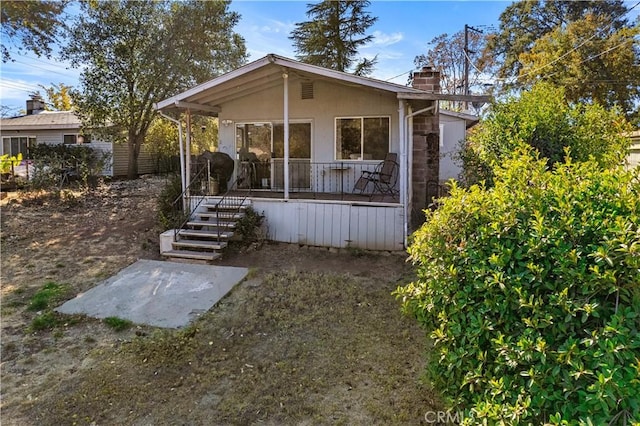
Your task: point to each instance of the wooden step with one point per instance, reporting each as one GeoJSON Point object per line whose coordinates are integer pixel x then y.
{"type": "Point", "coordinates": [196, 255]}
{"type": "Point", "coordinates": [199, 233]}
{"type": "Point", "coordinates": [221, 215]}
{"type": "Point", "coordinates": [207, 245]}
{"type": "Point", "coordinates": [218, 224]}
{"type": "Point", "coordinates": [225, 206]}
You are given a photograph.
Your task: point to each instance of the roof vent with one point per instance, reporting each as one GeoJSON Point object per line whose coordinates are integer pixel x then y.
{"type": "Point", "coordinates": [307, 89]}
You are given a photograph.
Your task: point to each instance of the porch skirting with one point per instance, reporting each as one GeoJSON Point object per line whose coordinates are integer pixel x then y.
{"type": "Point", "coordinates": [327, 223]}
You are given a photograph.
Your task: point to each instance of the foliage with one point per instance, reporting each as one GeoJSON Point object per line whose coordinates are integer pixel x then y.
{"type": "Point", "coordinates": [53, 162]}
{"type": "Point", "coordinates": [170, 213]}
{"type": "Point", "coordinates": [333, 34]}
{"type": "Point", "coordinates": [523, 23]}
{"type": "Point", "coordinates": [530, 292]}
{"type": "Point", "coordinates": [7, 162]}
{"type": "Point", "coordinates": [543, 119]}
{"type": "Point", "coordinates": [248, 226]}
{"type": "Point", "coordinates": [118, 324]}
{"type": "Point", "coordinates": [603, 70]}
{"type": "Point", "coordinates": [58, 97]}
{"type": "Point", "coordinates": [446, 53]}
{"type": "Point", "coordinates": [137, 53]}
{"type": "Point", "coordinates": [31, 25]}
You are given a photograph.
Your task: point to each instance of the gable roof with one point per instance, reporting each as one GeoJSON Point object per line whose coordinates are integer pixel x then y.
{"type": "Point", "coordinates": [262, 74]}
{"type": "Point", "coordinates": [45, 120]}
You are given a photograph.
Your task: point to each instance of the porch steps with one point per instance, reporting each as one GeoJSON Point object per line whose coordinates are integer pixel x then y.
{"type": "Point", "coordinates": [207, 233]}
{"type": "Point", "coordinates": [193, 255]}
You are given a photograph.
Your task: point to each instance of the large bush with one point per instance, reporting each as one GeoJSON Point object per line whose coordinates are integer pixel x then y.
{"type": "Point", "coordinates": [530, 291]}
{"type": "Point", "coordinates": [544, 120]}
{"type": "Point", "coordinates": [53, 162]}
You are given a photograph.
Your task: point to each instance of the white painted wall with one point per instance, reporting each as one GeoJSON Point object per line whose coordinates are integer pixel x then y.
{"type": "Point", "coordinates": [330, 101]}
{"type": "Point", "coordinates": [452, 131]}
{"type": "Point", "coordinates": [333, 224]}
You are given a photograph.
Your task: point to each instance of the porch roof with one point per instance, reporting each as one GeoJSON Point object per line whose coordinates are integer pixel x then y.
{"type": "Point", "coordinates": [262, 74]}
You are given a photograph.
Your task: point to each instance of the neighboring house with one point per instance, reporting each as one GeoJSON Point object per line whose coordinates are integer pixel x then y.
{"type": "Point", "coordinates": [453, 130]}
{"type": "Point", "coordinates": [62, 127]}
{"type": "Point", "coordinates": [339, 125]}
{"type": "Point", "coordinates": [633, 160]}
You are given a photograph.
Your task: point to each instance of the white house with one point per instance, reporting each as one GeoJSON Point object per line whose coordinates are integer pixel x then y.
{"type": "Point", "coordinates": [302, 136]}
{"type": "Point", "coordinates": [453, 130]}
{"type": "Point", "coordinates": [38, 126]}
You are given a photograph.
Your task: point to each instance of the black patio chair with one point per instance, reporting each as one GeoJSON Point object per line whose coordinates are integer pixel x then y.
{"type": "Point", "coordinates": [383, 178]}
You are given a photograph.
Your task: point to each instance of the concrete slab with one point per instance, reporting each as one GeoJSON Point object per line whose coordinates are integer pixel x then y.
{"type": "Point", "coordinates": [157, 293]}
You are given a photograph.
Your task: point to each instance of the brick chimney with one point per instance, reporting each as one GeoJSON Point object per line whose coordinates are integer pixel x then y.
{"type": "Point", "coordinates": [35, 105]}
{"type": "Point", "coordinates": [426, 147]}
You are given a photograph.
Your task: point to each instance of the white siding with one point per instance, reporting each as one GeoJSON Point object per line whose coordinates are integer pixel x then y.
{"type": "Point", "coordinates": [453, 131]}
{"type": "Point", "coordinates": [633, 160]}
{"type": "Point", "coordinates": [332, 224]}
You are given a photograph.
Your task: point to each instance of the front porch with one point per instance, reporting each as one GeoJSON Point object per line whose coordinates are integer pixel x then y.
{"type": "Point", "coordinates": [326, 181]}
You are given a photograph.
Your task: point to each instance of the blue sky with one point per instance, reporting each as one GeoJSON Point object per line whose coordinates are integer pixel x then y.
{"type": "Point", "coordinates": [403, 31]}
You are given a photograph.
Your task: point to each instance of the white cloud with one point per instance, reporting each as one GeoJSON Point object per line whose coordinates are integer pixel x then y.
{"type": "Point", "coordinates": [382, 39]}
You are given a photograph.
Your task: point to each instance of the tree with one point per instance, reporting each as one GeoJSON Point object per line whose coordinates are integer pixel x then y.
{"type": "Point", "coordinates": [137, 53]}
{"type": "Point", "coordinates": [523, 23]}
{"type": "Point", "coordinates": [333, 34]}
{"type": "Point", "coordinates": [603, 68]}
{"type": "Point", "coordinates": [447, 55]}
{"type": "Point", "coordinates": [543, 119]}
{"type": "Point", "coordinates": [58, 97]}
{"type": "Point", "coordinates": [31, 25]}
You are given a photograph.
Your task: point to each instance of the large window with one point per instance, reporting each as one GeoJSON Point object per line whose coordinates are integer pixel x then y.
{"type": "Point", "coordinates": [362, 138]}
{"type": "Point", "coordinates": [17, 145]}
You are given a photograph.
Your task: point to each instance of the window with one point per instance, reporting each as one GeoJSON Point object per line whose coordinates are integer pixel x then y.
{"type": "Point", "coordinates": [362, 138]}
{"type": "Point", "coordinates": [17, 145]}
{"type": "Point", "coordinates": [70, 139]}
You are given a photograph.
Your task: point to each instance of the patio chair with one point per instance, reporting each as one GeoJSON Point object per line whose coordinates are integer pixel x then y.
{"type": "Point", "coordinates": [383, 178]}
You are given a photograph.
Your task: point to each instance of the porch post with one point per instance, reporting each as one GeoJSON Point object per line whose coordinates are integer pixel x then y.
{"type": "Point", "coordinates": [188, 151]}
{"type": "Point", "coordinates": [402, 136]}
{"type": "Point", "coordinates": [285, 76]}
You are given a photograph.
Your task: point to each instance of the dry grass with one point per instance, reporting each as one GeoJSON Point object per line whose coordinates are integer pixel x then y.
{"type": "Point", "coordinates": [284, 347]}
{"type": "Point", "coordinates": [299, 348]}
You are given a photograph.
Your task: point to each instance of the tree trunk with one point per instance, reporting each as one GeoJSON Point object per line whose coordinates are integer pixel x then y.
{"type": "Point", "coordinates": [134, 150]}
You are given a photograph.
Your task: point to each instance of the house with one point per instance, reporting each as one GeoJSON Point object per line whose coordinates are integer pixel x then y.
{"type": "Point", "coordinates": [302, 136]}
{"type": "Point", "coordinates": [633, 159]}
{"type": "Point", "coordinates": [63, 127]}
{"type": "Point", "coordinates": [453, 130]}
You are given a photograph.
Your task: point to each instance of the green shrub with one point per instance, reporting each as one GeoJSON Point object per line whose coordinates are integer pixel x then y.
{"type": "Point", "coordinates": [170, 213]}
{"type": "Point", "coordinates": [530, 292]}
{"type": "Point", "coordinates": [52, 161]}
{"type": "Point", "coordinates": [542, 118]}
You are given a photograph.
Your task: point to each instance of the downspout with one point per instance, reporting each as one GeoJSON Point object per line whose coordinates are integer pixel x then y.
{"type": "Point", "coordinates": [409, 132]}
{"type": "Point", "coordinates": [285, 76]}
{"type": "Point", "coordinates": [180, 144]}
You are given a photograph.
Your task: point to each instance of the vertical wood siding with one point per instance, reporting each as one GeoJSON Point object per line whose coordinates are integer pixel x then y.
{"type": "Point", "coordinates": [146, 160]}
{"type": "Point", "coordinates": [327, 224]}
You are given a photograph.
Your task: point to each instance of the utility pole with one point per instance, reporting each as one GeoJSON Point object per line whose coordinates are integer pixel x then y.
{"type": "Point", "coordinates": [466, 60]}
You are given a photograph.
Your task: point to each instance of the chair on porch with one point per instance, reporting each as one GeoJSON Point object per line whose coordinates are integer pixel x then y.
{"type": "Point", "coordinates": [383, 178]}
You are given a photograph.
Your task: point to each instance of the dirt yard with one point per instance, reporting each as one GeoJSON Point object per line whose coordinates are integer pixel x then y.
{"type": "Point", "coordinates": [312, 336]}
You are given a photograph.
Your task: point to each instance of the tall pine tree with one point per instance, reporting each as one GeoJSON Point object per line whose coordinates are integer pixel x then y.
{"type": "Point", "coordinates": [333, 34]}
